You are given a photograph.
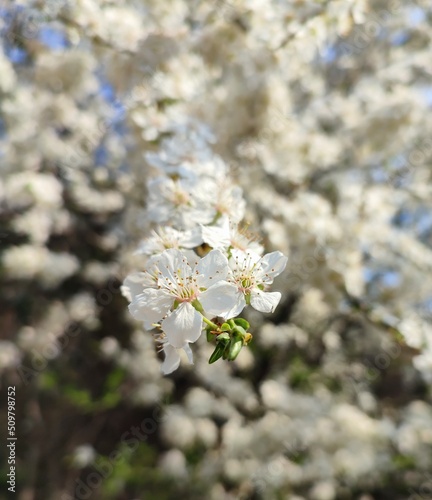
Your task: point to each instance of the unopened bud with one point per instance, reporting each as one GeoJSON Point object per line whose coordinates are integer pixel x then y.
{"type": "Point", "coordinates": [218, 352]}
{"type": "Point", "coordinates": [234, 348]}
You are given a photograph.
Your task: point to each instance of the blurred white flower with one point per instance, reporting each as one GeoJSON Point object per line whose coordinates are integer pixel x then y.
{"type": "Point", "coordinates": [229, 200]}
{"type": "Point", "coordinates": [10, 355]}
{"type": "Point", "coordinates": [83, 455]}
{"type": "Point", "coordinates": [225, 234]}
{"type": "Point", "coordinates": [29, 187]}
{"type": "Point", "coordinates": [8, 79]}
{"type": "Point", "coordinates": [182, 203]}
{"type": "Point", "coordinates": [187, 157]}
{"type": "Point", "coordinates": [168, 237]}
{"type": "Point", "coordinates": [25, 261]}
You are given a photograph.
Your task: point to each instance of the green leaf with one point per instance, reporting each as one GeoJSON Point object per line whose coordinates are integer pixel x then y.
{"type": "Point", "coordinates": [114, 379]}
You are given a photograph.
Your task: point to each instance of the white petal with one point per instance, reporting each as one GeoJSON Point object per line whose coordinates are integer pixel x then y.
{"type": "Point", "coordinates": [243, 260]}
{"type": "Point", "coordinates": [157, 212]}
{"type": "Point", "coordinates": [156, 160]}
{"type": "Point", "coordinates": [191, 238]}
{"type": "Point", "coordinates": [133, 285]}
{"type": "Point", "coordinates": [221, 299]}
{"type": "Point", "coordinates": [212, 268]}
{"type": "Point", "coordinates": [174, 259]}
{"type": "Point", "coordinates": [151, 245]}
{"type": "Point", "coordinates": [173, 268]}
{"type": "Point", "coordinates": [161, 185]}
{"type": "Point", "coordinates": [217, 236]}
{"type": "Point", "coordinates": [188, 352]}
{"type": "Point", "coordinates": [233, 202]}
{"type": "Point", "coordinates": [172, 359]}
{"type": "Point", "coordinates": [238, 307]}
{"type": "Point", "coordinates": [272, 264]}
{"type": "Point", "coordinates": [182, 325]}
{"type": "Point", "coordinates": [265, 302]}
{"type": "Point", "coordinates": [151, 305]}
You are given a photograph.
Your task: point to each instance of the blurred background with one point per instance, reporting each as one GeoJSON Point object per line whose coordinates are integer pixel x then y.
{"type": "Point", "coordinates": [322, 110]}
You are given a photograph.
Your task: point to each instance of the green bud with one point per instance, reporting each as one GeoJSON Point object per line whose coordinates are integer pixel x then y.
{"type": "Point", "coordinates": [225, 327]}
{"type": "Point", "coordinates": [240, 332]}
{"type": "Point", "coordinates": [234, 348]}
{"type": "Point", "coordinates": [210, 336]}
{"type": "Point", "coordinates": [218, 352]}
{"type": "Point", "coordinates": [223, 338]}
{"type": "Point", "coordinates": [243, 323]}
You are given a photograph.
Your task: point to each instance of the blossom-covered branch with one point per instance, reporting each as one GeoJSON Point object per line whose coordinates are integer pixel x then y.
{"type": "Point", "coordinates": [201, 269]}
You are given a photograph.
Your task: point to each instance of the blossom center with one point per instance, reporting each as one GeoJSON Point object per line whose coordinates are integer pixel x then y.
{"type": "Point", "coordinates": [186, 292]}
{"type": "Point", "coordinates": [180, 197]}
{"type": "Point", "coordinates": [245, 283]}
{"type": "Point", "coordinates": [179, 283]}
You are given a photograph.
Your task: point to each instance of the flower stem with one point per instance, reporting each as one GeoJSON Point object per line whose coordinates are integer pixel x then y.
{"type": "Point", "coordinates": [210, 323]}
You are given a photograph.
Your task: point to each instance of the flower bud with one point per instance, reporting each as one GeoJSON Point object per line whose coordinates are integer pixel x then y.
{"type": "Point", "coordinates": [223, 338]}
{"type": "Point", "coordinates": [242, 322]}
{"type": "Point", "coordinates": [218, 352]}
{"type": "Point", "coordinates": [234, 348]}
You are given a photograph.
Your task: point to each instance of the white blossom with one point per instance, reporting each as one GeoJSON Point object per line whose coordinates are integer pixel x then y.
{"type": "Point", "coordinates": [324, 108]}
{"type": "Point", "coordinates": [226, 234]}
{"type": "Point", "coordinates": [182, 203]}
{"type": "Point", "coordinates": [168, 237]}
{"type": "Point", "coordinates": [251, 274]}
{"type": "Point", "coordinates": [179, 285]}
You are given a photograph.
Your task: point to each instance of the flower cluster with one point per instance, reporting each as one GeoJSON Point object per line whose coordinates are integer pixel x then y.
{"type": "Point", "coordinates": [202, 268]}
